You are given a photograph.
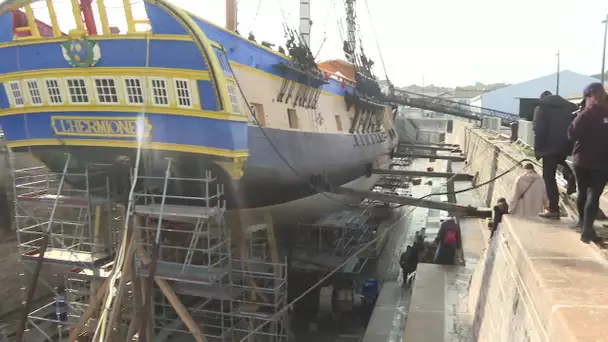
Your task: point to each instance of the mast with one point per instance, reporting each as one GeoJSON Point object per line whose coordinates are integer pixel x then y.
{"type": "Point", "coordinates": [351, 25]}
{"type": "Point", "coordinates": [305, 22]}
{"type": "Point", "coordinates": [231, 18]}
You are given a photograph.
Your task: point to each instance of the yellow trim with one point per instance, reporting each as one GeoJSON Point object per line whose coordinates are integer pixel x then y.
{"type": "Point", "coordinates": [212, 62]}
{"type": "Point", "coordinates": [112, 108]}
{"type": "Point", "coordinates": [53, 16]}
{"type": "Point", "coordinates": [234, 167]}
{"type": "Point", "coordinates": [239, 36]}
{"type": "Point", "coordinates": [138, 35]}
{"type": "Point", "coordinates": [135, 119]}
{"type": "Point", "coordinates": [130, 144]}
{"type": "Point", "coordinates": [103, 17]}
{"type": "Point", "coordinates": [31, 21]}
{"type": "Point", "coordinates": [247, 68]}
{"type": "Point", "coordinates": [129, 16]}
{"type": "Point", "coordinates": [109, 71]}
{"type": "Point", "coordinates": [76, 13]}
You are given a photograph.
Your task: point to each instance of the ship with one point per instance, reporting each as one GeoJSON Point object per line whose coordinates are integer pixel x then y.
{"type": "Point", "coordinates": [169, 84]}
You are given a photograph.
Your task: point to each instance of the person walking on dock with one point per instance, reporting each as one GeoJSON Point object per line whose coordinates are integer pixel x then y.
{"type": "Point", "coordinates": [448, 241]}
{"type": "Point", "coordinates": [589, 132]}
{"type": "Point", "coordinates": [551, 120]}
{"type": "Point", "coordinates": [529, 195]}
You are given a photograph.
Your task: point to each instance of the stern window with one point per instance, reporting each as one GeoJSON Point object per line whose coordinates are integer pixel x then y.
{"type": "Point", "coordinates": [234, 101]}
{"type": "Point", "coordinates": [54, 91]}
{"type": "Point", "coordinates": [77, 90]}
{"type": "Point", "coordinates": [106, 90]}
{"type": "Point", "coordinates": [134, 91]}
{"type": "Point", "coordinates": [160, 97]}
{"type": "Point", "coordinates": [34, 92]}
{"type": "Point", "coordinates": [182, 91]}
{"type": "Point", "coordinates": [16, 94]}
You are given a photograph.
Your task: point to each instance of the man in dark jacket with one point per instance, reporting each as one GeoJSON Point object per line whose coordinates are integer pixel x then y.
{"type": "Point", "coordinates": [551, 120]}
{"type": "Point", "coordinates": [589, 131]}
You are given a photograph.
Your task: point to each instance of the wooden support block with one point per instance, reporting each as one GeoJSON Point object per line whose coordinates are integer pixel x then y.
{"type": "Point", "coordinates": [272, 241]}
{"type": "Point", "coordinates": [181, 310]}
{"type": "Point", "coordinates": [99, 296]}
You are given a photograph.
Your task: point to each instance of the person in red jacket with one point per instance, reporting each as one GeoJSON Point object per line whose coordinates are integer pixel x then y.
{"type": "Point", "coordinates": [589, 132]}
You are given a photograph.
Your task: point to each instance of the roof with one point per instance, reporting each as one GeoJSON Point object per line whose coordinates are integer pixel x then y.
{"type": "Point", "coordinates": [345, 68]}
{"type": "Point", "coordinates": [579, 95]}
{"type": "Point", "coordinates": [507, 99]}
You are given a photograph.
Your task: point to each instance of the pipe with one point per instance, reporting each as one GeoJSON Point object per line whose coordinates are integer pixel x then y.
{"type": "Point", "coordinates": [89, 19]}
{"type": "Point", "coordinates": [231, 15]}
{"type": "Point", "coordinates": [305, 22]}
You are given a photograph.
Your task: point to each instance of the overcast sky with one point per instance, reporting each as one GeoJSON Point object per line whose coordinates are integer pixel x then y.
{"type": "Point", "coordinates": [445, 41]}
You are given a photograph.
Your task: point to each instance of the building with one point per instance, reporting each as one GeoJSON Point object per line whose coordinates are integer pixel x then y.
{"type": "Point", "coordinates": [578, 96]}
{"type": "Point", "coordinates": [507, 99]}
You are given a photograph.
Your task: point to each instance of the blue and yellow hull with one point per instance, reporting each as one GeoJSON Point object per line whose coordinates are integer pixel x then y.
{"type": "Point", "coordinates": [172, 91]}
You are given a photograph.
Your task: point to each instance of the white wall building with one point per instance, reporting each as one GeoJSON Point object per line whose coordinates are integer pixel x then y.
{"type": "Point", "coordinates": [507, 99]}
{"type": "Point", "coordinates": [578, 96]}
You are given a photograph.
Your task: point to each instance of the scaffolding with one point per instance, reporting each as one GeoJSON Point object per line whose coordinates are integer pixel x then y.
{"type": "Point", "coordinates": [171, 272]}
{"type": "Point", "coordinates": [186, 250]}
{"type": "Point", "coordinates": [68, 227]}
{"type": "Point", "coordinates": [325, 243]}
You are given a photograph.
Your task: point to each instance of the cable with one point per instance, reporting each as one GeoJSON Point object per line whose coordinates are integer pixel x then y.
{"type": "Point", "coordinates": [376, 39]}
{"type": "Point", "coordinates": [371, 242]}
{"type": "Point", "coordinates": [275, 148]}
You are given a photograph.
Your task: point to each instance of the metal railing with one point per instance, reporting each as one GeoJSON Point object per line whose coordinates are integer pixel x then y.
{"type": "Point", "coordinates": [446, 106]}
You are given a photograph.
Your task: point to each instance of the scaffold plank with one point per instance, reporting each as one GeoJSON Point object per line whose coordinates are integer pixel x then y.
{"type": "Point", "coordinates": [170, 210]}
{"type": "Point", "coordinates": [68, 257]}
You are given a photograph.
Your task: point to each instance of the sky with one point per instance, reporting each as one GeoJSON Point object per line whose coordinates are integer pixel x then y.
{"type": "Point", "coordinates": [444, 42]}
{"type": "Point", "coordinates": [439, 42]}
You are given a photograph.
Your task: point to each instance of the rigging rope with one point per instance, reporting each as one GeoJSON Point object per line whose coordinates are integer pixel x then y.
{"type": "Point", "coordinates": [370, 243]}
{"type": "Point", "coordinates": [376, 39]}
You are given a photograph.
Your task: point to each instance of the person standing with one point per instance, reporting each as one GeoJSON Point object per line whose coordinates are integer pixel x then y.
{"type": "Point", "coordinates": [551, 120]}
{"type": "Point", "coordinates": [529, 195]}
{"type": "Point", "coordinates": [589, 132]}
{"type": "Point", "coordinates": [500, 209]}
{"type": "Point", "coordinates": [448, 241]}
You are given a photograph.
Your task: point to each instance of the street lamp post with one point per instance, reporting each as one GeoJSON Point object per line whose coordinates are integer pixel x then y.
{"type": "Point", "coordinates": [605, 22]}
{"type": "Point", "coordinates": [558, 70]}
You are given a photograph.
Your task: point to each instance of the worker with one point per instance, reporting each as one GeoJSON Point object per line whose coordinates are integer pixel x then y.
{"type": "Point", "coordinates": [448, 241]}
{"type": "Point", "coordinates": [529, 196]}
{"type": "Point", "coordinates": [409, 263]}
{"type": "Point", "coordinates": [589, 132]}
{"type": "Point", "coordinates": [500, 209]}
{"type": "Point", "coordinates": [551, 120]}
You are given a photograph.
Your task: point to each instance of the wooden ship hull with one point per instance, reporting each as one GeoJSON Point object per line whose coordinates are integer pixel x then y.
{"type": "Point", "coordinates": [171, 86]}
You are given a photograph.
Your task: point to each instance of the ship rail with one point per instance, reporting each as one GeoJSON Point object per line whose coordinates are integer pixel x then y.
{"type": "Point", "coordinates": [48, 19]}
{"type": "Point", "coordinates": [446, 106]}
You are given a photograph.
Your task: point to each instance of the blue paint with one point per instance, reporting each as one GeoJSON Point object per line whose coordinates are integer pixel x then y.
{"type": "Point", "coordinates": [114, 53]}
{"type": "Point", "coordinates": [250, 54]}
{"type": "Point", "coordinates": [223, 61]}
{"type": "Point", "coordinates": [6, 27]}
{"type": "Point", "coordinates": [206, 94]}
{"type": "Point", "coordinates": [163, 23]}
{"type": "Point", "coordinates": [4, 103]}
{"type": "Point", "coordinates": [175, 129]}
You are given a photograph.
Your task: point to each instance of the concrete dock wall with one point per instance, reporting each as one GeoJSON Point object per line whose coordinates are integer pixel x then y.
{"type": "Point", "coordinates": [535, 281]}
